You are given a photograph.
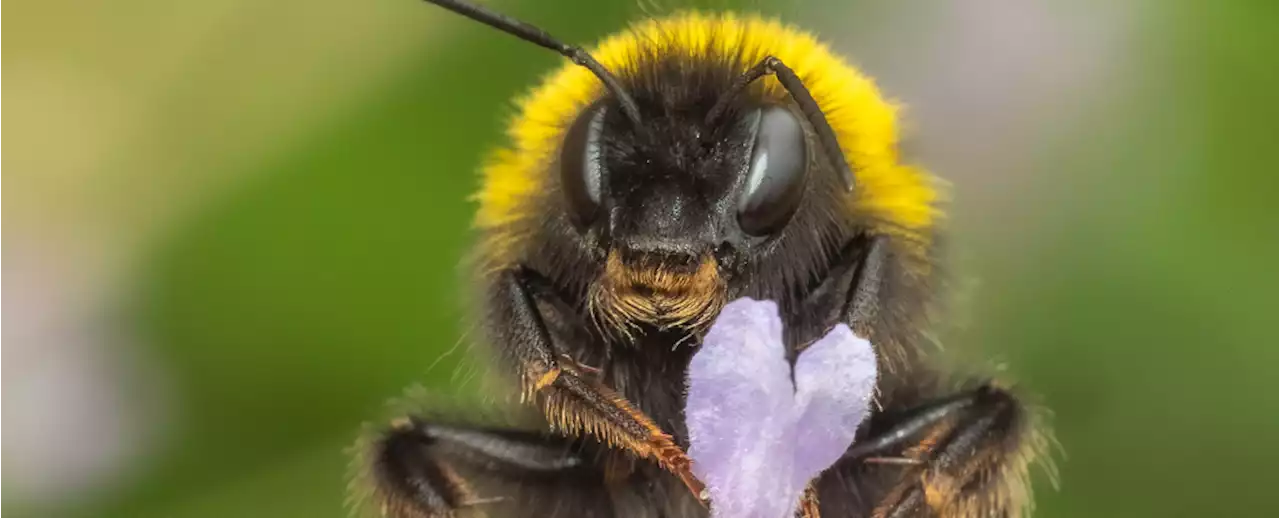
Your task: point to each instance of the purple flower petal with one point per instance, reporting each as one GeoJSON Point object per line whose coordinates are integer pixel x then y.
{"type": "Point", "coordinates": [755, 438]}
{"type": "Point", "coordinates": [739, 411]}
{"type": "Point", "coordinates": [835, 378]}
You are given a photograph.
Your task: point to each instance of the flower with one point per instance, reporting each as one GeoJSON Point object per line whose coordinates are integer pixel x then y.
{"type": "Point", "coordinates": [757, 439]}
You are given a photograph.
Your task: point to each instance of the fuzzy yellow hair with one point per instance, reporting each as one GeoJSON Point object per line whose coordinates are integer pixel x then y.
{"type": "Point", "coordinates": [900, 198]}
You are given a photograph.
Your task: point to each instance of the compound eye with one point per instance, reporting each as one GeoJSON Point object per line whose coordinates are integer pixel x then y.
{"type": "Point", "coordinates": [581, 172]}
{"type": "Point", "coordinates": [775, 173]}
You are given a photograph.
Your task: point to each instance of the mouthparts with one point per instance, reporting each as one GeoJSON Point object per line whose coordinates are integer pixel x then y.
{"type": "Point", "coordinates": [658, 291]}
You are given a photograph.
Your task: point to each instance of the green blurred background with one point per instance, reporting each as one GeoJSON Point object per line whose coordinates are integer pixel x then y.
{"type": "Point", "coordinates": [233, 231]}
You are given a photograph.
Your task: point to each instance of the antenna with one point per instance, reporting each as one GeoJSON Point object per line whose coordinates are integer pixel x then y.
{"type": "Point", "coordinates": [540, 37]}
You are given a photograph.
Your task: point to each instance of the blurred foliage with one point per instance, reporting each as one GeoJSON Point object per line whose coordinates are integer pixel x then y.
{"type": "Point", "coordinates": [291, 309]}
{"type": "Point", "coordinates": [1147, 325]}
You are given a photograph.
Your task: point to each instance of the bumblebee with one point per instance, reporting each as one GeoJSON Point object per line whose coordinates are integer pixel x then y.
{"type": "Point", "coordinates": [687, 161]}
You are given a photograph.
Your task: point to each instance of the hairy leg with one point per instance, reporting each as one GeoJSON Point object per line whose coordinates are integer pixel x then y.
{"type": "Point", "coordinates": [420, 469]}
{"type": "Point", "coordinates": [965, 455]}
{"type": "Point", "coordinates": [573, 403]}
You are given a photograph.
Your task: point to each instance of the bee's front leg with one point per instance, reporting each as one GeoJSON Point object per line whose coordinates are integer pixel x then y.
{"type": "Point", "coordinates": [416, 468]}
{"type": "Point", "coordinates": [809, 507]}
{"type": "Point", "coordinates": [965, 455]}
{"type": "Point", "coordinates": [574, 403]}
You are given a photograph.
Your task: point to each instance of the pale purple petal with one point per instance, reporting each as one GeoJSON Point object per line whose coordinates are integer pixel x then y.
{"type": "Point", "coordinates": [740, 413]}
{"type": "Point", "coordinates": [756, 439]}
{"type": "Point", "coordinates": [835, 379]}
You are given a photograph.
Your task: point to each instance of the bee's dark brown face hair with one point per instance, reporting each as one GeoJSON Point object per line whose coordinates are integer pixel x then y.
{"type": "Point", "coordinates": [627, 211]}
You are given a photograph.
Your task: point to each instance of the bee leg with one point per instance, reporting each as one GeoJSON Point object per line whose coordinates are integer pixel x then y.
{"type": "Point", "coordinates": [851, 291]}
{"type": "Point", "coordinates": [967, 456]}
{"type": "Point", "coordinates": [911, 424]}
{"type": "Point", "coordinates": [809, 503]}
{"type": "Point", "coordinates": [419, 469]}
{"type": "Point", "coordinates": [864, 301]}
{"type": "Point", "coordinates": [573, 403]}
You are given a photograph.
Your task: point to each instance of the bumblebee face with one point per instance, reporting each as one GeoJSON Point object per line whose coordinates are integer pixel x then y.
{"type": "Point", "coordinates": [677, 204]}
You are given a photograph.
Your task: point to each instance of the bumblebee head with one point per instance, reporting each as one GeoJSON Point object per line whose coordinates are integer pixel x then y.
{"type": "Point", "coordinates": [681, 190]}
{"type": "Point", "coordinates": [704, 169]}
{"type": "Point", "coordinates": [679, 194]}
